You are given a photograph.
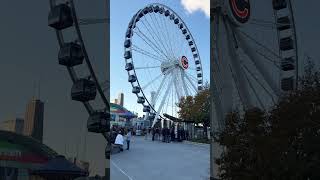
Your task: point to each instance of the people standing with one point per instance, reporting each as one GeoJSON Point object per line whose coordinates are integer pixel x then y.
{"type": "Point", "coordinates": [119, 140]}
{"type": "Point", "coordinates": [128, 138]}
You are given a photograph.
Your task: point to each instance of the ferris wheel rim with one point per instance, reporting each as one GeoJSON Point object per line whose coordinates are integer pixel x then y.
{"type": "Point", "coordinates": [134, 21]}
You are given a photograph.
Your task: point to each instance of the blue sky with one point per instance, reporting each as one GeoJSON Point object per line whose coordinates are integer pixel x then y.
{"type": "Point", "coordinates": [196, 19]}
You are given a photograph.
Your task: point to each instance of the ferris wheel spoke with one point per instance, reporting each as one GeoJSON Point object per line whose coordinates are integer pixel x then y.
{"type": "Point", "coordinates": [166, 34]}
{"type": "Point", "coordinates": [259, 82]}
{"type": "Point", "coordinates": [155, 34]}
{"type": "Point", "coordinates": [147, 67]}
{"type": "Point", "coordinates": [191, 76]}
{"type": "Point", "coordinates": [175, 77]}
{"type": "Point", "coordinates": [150, 82]}
{"type": "Point", "coordinates": [173, 37]}
{"type": "Point", "coordinates": [224, 83]}
{"type": "Point", "coordinates": [247, 36]}
{"type": "Point", "coordinates": [236, 71]}
{"type": "Point", "coordinates": [148, 54]}
{"type": "Point", "coordinates": [158, 91]}
{"type": "Point", "coordinates": [191, 83]}
{"type": "Point", "coordinates": [177, 39]}
{"type": "Point", "coordinates": [260, 66]}
{"type": "Point", "coordinates": [189, 86]}
{"type": "Point", "coordinates": [254, 91]}
{"type": "Point", "coordinates": [150, 43]}
{"type": "Point", "coordinates": [184, 82]}
{"type": "Point", "coordinates": [275, 63]}
{"type": "Point", "coordinates": [163, 41]}
{"type": "Point", "coordinates": [218, 61]}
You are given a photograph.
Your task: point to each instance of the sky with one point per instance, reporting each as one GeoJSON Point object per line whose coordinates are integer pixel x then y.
{"type": "Point", "coordinates": [194, 13]}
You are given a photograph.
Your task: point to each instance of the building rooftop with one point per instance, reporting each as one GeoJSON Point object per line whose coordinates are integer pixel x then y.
{"type": "Point", "coordinates": [29, 142]}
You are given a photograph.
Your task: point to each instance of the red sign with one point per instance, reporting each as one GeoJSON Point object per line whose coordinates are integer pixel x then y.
{"type": "Point", "coordinates": [15, 155]}
{"type": "Point", "coordinates": [184, 62]}
{"type": "Point", "coordinates": [240, 10]}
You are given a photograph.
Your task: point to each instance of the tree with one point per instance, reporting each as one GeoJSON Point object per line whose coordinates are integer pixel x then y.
{"type": "Point", "coordinates": [196, 108]}
{"type": "Point", "coordinates": [202, 107]}
{"type": "Point", "coordinates": [280, 144]}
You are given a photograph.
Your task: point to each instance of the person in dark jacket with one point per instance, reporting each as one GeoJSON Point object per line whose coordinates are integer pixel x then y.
{"type": "Point", "coordinates": [187, 135]}
{"type": "Point", "coordinates": [168, 135]}
{"type": "Point", "coordinates": [172, 134]}
{"type": "Point", "coordinates": [153, 133]}
{"type": "Point", "coordinates": [163, 133]}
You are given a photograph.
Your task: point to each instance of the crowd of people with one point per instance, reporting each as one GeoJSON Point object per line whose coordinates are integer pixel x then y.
{"type": "Point", "coordinates": [121, 136]}
{"type": "Point", "coordinates": [166, 134]}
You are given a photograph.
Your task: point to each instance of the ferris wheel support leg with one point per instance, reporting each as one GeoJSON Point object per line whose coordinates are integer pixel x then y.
{"type": "Point", "coordinates": [162, 123]}
{"type": "Point", "coordinates": [162, 102]}
{"type": "Point", "coordinates": [248, 50]}
{"type": "Point", "coordinates": [184, 82]}
{"type": "Point", "coordinates": [221, 99]}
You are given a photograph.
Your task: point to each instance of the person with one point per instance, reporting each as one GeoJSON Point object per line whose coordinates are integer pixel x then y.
{"type": "Point", "coordinates": [168, 135]}
{"type": "Point", "coordinates": [157, 134]}
{"type": "Point", "coordinates": [166, 132]}
{"type": "Point", "coordinates": [128, 138]}
{"type": "Point", "coordinates": [153, 134]}
{"type": "Point", "coordinates": [119, 140]}
{"type": "Point", "coordinates": [187, 135]}
{"type": "Point", "coordinates": [172, 134]}
{"type": "Point", "coordinates": [163, 134]}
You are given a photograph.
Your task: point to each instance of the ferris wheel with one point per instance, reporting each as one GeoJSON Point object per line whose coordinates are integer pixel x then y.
{"type": "Point", "coordinates": [255, 54]}
{"type": "Point", "coordinates": [162, 60]}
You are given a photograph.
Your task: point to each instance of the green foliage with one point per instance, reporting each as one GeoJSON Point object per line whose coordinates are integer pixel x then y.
{"type": "Point", "coordinates": [281, 144]}
{"type": "Point", "coordinates": [196, 108]}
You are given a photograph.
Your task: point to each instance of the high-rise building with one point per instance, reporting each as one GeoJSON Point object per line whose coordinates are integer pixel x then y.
{"type": "Point", "coordinates": [33, 123]}
{"type": "Point", "coordinates": [121, 99]}
{"type": "Point", "coordinates": [13, 125]}
{"type": "Point", "coordinates": [115, 101]}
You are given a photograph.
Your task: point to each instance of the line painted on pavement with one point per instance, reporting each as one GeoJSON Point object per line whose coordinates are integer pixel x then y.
{"type": "Point", "coordinates": [121, 170]}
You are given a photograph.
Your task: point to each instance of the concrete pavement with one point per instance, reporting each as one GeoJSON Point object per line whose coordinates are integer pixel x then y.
{"type": "Point", "coordinates": [154, 160]}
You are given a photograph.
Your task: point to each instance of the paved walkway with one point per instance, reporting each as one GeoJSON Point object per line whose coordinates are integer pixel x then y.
{"type": "Point", "coordinates": [154, 160]}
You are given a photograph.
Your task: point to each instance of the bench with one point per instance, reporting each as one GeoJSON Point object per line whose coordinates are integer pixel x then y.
{"type": "Point", "coordinates": [115, 148]}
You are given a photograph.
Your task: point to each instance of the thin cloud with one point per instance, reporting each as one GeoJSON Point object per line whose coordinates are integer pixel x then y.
{"type": "Point", "coordinates": [192, 6]}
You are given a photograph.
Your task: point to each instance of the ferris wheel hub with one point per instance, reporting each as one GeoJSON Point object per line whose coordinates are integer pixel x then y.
{"type": "Point", "coordinates": [166, 67]}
